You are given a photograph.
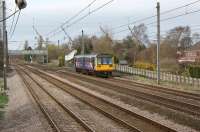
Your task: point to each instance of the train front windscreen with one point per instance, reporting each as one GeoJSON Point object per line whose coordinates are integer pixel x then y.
{"type": "Point", "coordinates": [104, 61]}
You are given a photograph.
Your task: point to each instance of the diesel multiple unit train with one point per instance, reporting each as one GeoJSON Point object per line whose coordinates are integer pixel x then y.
{"type": "Point", "coordinates": [94, 64]}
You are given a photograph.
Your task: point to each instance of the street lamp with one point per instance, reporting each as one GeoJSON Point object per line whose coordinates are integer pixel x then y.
{"type": "Point", "coordinates": [21, 4]}
{"type": "Point", "coordinates": [158, 41]}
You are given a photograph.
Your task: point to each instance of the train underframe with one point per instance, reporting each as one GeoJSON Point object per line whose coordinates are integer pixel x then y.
{"type": "Point", "coordinates": [93, 72]}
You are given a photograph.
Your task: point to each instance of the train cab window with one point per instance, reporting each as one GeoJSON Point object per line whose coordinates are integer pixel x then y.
{"type": "Point", "coordinates": [110, 61]}
{"type": "Point", "coordinates": [107, 61]}
{"type": "Point", "coordinates": [99, 61]}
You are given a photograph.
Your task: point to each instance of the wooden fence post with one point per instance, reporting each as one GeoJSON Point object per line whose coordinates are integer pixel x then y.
{"type": "Point", "coordinates": [185, 81]}
{"type": "Point", "coordinates": [198, 83]}
{"type": "Point", "coordinates": [193, 82]}
{"type": "Point", "coordinates": [176, 79]}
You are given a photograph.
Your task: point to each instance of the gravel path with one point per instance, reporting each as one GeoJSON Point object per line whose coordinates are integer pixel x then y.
{"type": "Point", "coordinates": [22, 113]}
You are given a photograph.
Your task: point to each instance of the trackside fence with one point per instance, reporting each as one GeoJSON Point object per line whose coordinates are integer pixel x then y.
{"type": "Point", "coordinates": [163, 76]}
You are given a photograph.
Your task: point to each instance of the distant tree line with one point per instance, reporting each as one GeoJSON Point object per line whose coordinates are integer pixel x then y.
{"type": "Point", "coordinates": [135, 48]}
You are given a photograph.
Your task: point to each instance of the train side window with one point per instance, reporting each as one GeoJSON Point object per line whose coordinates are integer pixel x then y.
{"type": "Point", "coordinates": [87, 60]}
{"type": "Point", "coordinates": [81, 60]}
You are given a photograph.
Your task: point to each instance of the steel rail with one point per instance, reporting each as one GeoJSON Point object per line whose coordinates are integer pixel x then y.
{"type": "Point", "coordinates": [67, 109]}
{"type": "Point", "coordinates": [171, 103]}
{"type": "Point", "coordinates": [40, 105]}
{"type": "Point", "coordinates": [180, 93]}
{"type": "Point", "coordinates": [131, 113]}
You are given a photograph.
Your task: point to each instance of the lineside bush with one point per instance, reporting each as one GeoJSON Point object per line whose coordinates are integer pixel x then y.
{"type": "Point", "coordinates": [146, 66]}
{"type": "Point", "coordinates": [61, 61]}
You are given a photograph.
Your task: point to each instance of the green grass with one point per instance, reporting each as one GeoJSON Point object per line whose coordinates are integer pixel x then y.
{"type": "Point", "coordinates": [3, 102]}
{"type": "Point", "coordinates": [1, 84]}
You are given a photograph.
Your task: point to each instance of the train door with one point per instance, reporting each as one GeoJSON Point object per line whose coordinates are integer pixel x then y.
{"type": "Point", "coordinates": [93, 63]}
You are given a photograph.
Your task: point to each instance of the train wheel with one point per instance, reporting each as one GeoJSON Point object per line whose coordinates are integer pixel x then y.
{"type": "Point", "coordinates": [109, 74]}
{"type": "Point", "coordinates": [77, 70]}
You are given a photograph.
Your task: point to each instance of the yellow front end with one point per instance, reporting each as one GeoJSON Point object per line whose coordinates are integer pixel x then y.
{"type": "Point", "coordinates": [104, 68]}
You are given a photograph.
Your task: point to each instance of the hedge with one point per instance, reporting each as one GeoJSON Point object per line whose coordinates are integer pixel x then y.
{"type": "Point", "coordinates": [194, 71]}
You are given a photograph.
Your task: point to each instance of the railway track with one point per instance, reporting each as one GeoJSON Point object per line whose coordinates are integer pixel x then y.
{"type": "Point", "coordinates": [129, 127]}
{"type": "Point", "coordinates": [189, 95]}
{"type": "Point", "coordinates": [122, 115]}
{"type": "Point", "coordinates": [190, 107]}
{"type": "Point", "coordinates": [51, 120]}
{"type": "Point", "coordinates": [180, 93]}
{"type": "Point", "coordinates": [40, 105]}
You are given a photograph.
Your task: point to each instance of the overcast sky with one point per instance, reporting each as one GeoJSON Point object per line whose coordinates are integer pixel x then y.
{"type": "Point", "coordinates": [46, 15]}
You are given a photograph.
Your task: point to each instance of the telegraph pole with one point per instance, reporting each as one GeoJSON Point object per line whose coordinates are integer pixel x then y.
{"type": "Point", "coordinates": [158, 44]}
{"type": "Point", "coordinates": [58, 44]}
{"type": "Point", "coordinates": [83, 44]}
{"type": "Point", "coordinates": [4, 47]}
{"type": "Point", "coordinates": [7, 57]}
{"type": "Point", "coordinates": [47, 48]}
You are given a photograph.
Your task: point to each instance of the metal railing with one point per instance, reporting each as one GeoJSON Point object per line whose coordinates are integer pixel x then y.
{"type": "Point", "coordinates": [163, 76]}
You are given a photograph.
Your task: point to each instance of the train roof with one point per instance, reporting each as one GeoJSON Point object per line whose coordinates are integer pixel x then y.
{"type": "Point", "coordinates": [87, 56]}
{"type": "Point", "coordinates": [93, 55]}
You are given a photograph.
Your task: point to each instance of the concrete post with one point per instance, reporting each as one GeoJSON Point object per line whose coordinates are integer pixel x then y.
{"type": "Point", "coordinates": [158, 44]}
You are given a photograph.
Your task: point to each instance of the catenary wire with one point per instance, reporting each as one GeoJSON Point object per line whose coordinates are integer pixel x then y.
{"type": "Point", "coordinates": [15, 24]}
{"type": "Point", "coordinates": [162, 20]}
{"type": "Point", "coordinates": [83, 17]}
{"type": "Point", "coordinates": [162, 13]}
{"type": "Point", "coordinates": [13, 21]}
{"type": "Point", "coordinates": [73, 17]}
{"type": "Point", "coordinates": [9, 16]}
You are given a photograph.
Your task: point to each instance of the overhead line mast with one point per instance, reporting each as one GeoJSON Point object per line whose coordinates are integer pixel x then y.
{"type": "Point", "coordinates": [21, 5]}
{"type": "Point", "coordinates": [70, 39]}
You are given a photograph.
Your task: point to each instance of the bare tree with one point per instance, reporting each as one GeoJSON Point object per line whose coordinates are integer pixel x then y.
{"type": "Point", "coordinates": [140, 39]}
{"type": "Point", "coordinates": [103, 45]}
{"type": "Point", "coordinates": [185, 43]}
{"type": "Point", "coordinates": [195, 38]}
{"type": "Point", "coordinates": [26, 45]}
{"type": "Point", "coordinates": [87, 42]}
{"type": "Point", "coordinates": [179, 38]}
{"type": "Point", "coordinates": [139, 33]}
{"type": "Point", "coordinates": [40, 42]}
